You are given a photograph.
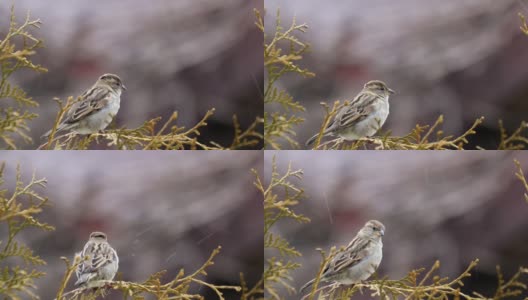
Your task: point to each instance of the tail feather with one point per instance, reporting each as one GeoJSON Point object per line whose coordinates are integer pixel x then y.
{"type": "Point", "coordinates": [311, 140]}
{"type": "Point", "coordinates": [60, 128]}
{"type": "Point", "coordinates": [307, 285]}
{"type": "Point", "coordinates": [84, 279]}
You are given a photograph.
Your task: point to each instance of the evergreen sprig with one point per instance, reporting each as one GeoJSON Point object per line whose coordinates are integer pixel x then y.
{"type": "Point", "coordinates": [170, 136]}
{"type": "Point", "coordinates": [177, 288]}
{"type": "Point", "coordinates": [280, 196]}
{"type": "Point", "coordinates": [19, 210]}
{"type": "Point", "coordinates": [16, 50]}
{"type": "Point", "coordinates": [279, 125]}
{"type": "Point", "coordinates": [422, 137]}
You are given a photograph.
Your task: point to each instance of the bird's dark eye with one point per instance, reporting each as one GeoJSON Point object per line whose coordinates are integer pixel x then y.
{"type": "Point", "coordinates": [375, 228]}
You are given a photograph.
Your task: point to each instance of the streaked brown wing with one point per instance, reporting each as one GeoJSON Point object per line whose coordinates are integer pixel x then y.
{"type": "Point", "coordinates": [350, 256]}
{"type": "Point", "coordinates": [102, 256]}
{"type": "Point", "coordinates": [86, 265]}
{"type": "Point", "coordinates": [91, 101]}
{"type": "Point", "coordinates": [356, 112]}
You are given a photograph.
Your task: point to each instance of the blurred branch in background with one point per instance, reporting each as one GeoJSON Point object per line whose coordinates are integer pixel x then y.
{"type": "Point", "coordinates": [14, 114]}
{"type": "Point", "coordinates": [518, 139]}
{"type": "Point", "coordinates": [520, 176]}
{"type": "Point", "coordinates": [524, 26]}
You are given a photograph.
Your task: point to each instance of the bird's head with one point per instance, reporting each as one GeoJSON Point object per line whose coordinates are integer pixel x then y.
{"type": "Point", "coordinates": [373, 229]}
{"type": "Point", "coordinates": [98, 236]}
{"type": "Point", "coordinates": [378, 87]}
{"type": "Point", "coordinates": [113, 81]}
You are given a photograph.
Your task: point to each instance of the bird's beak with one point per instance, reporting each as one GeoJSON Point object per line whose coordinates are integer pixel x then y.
{"type": "Point", "coordinates": [124, 87]}
{"type": "Point", "coordinates": [382, 232]}
{"type": "Point", "coordinates": [391, 91]}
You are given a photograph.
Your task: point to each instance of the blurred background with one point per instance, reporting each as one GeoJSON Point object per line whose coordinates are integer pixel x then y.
{"type": "Point", "coordinates": [448, 206]}
{"type": "Point", "coordinates": [185, 55]}
{"type": "Point", "coordinates": [460, 58]}
{"type": "Point", "coordinates": [161, 211]}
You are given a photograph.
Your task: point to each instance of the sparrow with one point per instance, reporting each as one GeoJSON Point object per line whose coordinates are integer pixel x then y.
{"type": "Point", "coordinates": [99, 261]}
{"type": "Point", "coordinates": [362, 117]}
{"type": "Point", "coordinates": [96, 107]}
{"type": "Point", "coordinates": [359, 260]}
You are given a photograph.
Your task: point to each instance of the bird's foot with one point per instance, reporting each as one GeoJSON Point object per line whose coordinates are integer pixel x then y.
{"type": "Point", "coordinates": [360, 287]}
